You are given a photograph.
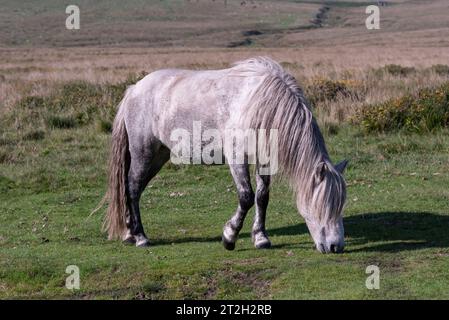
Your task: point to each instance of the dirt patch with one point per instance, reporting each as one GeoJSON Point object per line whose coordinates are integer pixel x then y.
{"type": "Point", "coordinates": [150, 290]}
{"type": "Point", "coordinates": [257, 281]}
{"type": "Point", "coordinates": [254, 279]}
{"type": "Point", "coordinates": [212, 288]}
{"type": "Point", "coordinates": [243, 43]}
{"type": "Point", "coordinates": [250, 33]}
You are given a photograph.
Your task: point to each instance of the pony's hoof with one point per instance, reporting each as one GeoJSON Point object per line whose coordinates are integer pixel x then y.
{"type": "Point", "coordinates": [264, 244]}
{"type": "Point", "coordinates": [228, 245]}
{"type": "Point", "coordinates": [129, 240]}
{"type": "Point", "coordinates": [143, 243]}
{"type": "Point", "coordinates": [261, 240]}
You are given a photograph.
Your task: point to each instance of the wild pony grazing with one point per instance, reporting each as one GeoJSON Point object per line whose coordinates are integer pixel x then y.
{"type": "Point", "coordinates": [253, 94]}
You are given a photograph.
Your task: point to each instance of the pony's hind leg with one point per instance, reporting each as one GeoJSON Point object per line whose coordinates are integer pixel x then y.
{"type": "Point", "coordinates": [242, 180]}
{"type": "Point", "coordinates": [259, 234]}
{"type": "Point", "coordinates": [142, 170]}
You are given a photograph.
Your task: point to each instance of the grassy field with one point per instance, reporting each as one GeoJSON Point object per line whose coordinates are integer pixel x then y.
{"type": "Point", "coordinates": [57, 102]}
{"type": "Point", "coordinates": [396, 218]}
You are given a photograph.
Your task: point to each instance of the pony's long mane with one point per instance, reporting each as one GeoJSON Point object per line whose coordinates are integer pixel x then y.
{"type": "Point", "coordinates": [279, 103]}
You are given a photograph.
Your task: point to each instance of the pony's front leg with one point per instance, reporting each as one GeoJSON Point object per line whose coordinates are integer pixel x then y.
{"type": "Point", "coordinates": [259, 234]}
{"type": "Point", "coordinates": [242, 181]}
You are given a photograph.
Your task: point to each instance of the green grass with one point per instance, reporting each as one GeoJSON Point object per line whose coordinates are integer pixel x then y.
{"type": "Point", "coordinates": [396, 217]}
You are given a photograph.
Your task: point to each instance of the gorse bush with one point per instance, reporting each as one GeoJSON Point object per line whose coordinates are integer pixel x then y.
{"type": "Point", "coordinates": [322, 89]}
{"type": "Point", "coordinates": [422, 112]}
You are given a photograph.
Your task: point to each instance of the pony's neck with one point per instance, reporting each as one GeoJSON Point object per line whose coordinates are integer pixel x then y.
{"type": "Point", "coordinates": [312, 151]}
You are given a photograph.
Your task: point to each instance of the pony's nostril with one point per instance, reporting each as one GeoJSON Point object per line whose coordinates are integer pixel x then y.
{"type": "Point", "coordinates": [334, 248]}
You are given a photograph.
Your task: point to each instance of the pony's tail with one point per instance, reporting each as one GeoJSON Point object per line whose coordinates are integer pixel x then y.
{"type": "Point", "coordinates": [115, 220]}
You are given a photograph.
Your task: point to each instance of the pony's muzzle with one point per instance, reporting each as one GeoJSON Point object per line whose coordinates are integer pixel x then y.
{"type": "Point", "coordinates": [331, 248]}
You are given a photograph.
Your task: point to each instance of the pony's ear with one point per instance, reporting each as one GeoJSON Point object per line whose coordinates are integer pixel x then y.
{"type": "Point", "coordinates": [320, 172]}
{"type": "Point", "coordinates": [341, 166]}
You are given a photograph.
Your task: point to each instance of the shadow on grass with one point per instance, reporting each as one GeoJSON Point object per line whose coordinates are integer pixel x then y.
{"type": "Point", "coordinates": [388, 231]}
{"type": "Point", "coordinates": [374, 232]}
{"type": "Point", "coordinates": [170, 241]}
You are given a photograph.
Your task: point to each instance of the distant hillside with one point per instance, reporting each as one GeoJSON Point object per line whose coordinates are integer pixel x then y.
{"type": "Point", "coordinates": [221, 23]}
{"type": "Point", "coordinates": [148, 23]}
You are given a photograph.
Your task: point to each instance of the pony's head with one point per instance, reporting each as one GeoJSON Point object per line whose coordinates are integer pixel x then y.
{"type": "Point", "coordinates": [279, 103]}
{"type": "Point", "coordinates": [323, 208]}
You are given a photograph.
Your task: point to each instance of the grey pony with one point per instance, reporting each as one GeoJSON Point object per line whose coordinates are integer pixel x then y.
{"type": "Point", "coordinates": [255, 93]}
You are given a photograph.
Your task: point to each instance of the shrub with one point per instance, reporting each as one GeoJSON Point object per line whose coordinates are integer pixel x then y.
{"type": "Point", "coordinates": [3, 157]}
{"type": "Point", "coordinates": [329, 90]}
{"type": "Point", "coordinates": [331, 128]}
{"type": "Point", "coordinates": [422, 112]}
{"type": "Point", "coordinates": [5, 183]}
{"type": "Point", "coordinates": [104, 126]}
{"type": "Point", "coordinates": [395, 70]}
{"type": "Point", "coordinates": [73, 104]}
{"type": "Point", "coordinates": [291, 65]}
{"type": "Point", "coordinates": [58, 122]}
{"type": "Point", "coordinates": [34, 135]}
{"type": "Point", "coordinates": [32, 102]}
{"type": "Point", "coordinates": [440, 69]}
{"type": "Point", "coordinates": [6, 142]}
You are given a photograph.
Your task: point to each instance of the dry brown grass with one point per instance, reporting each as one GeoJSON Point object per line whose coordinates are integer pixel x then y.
{"type": "Point", "coordinates": [37, 71]}
{"type": "Point", "coordinates": [343, 50]}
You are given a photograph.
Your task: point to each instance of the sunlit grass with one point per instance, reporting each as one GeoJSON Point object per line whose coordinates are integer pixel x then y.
{"type": "Point", "coordinates": [396, 217]}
